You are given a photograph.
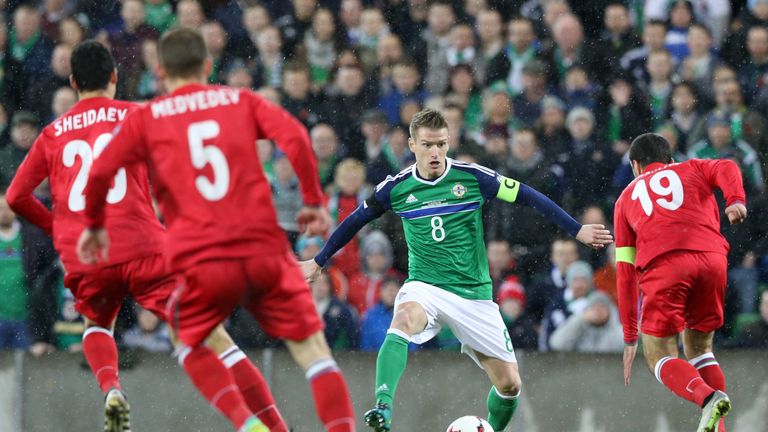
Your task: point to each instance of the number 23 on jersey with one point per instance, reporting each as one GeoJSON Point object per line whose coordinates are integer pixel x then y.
{"type": "Point", "coordinates": [81, 149]}
{"type": "Point", "coordinates": [666, 184]}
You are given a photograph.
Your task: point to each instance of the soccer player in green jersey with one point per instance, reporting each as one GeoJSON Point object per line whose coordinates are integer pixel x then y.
{"type": "Point", "coordinates": [440, 201]}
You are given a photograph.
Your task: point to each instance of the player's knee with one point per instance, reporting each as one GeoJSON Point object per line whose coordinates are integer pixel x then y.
{"type": "Point", "coordinates": [406, 318]}
{"type": "Point", "coordinates": [509, 385]}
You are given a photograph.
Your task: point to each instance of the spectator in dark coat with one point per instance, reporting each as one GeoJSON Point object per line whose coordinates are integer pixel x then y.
{"type": "Point", "coordinates": [27, 44]}
{"type": "Point", "coordinates": [518, 51]}
{"type": "Point", "coordinates": [39, 95]}
{"type": "Point", "coordinates": [346, 102]}
{"type": "Point", "coordinates": [340, 319]}
{"type": "Point", "coordinates": [521, 327]}
{"type": "Point", "coordinates": [755, 335]}
{"type": "Point", "coordinates": [126, 45]}
{"type": "Point", "coordinates": [616, 39]}
{"type": "Point", "coordinates": [24, 129]}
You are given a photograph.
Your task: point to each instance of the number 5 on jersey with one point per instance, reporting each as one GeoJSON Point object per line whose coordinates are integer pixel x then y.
{"type": "Point", "coordinates": [80, 148]}
{"type": "Point", "coordinates": [203, 155]}
{"type": "Point", "coordinates": [674, 189]}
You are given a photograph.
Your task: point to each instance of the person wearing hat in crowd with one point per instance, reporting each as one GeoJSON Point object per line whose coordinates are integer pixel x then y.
{"type": "Point", "coordinates": [596, 329]}
{"type": "Point", "coordinates": [572, 300]}
{"type": "Point", "coordinates": [550, 128]}
{"type": "Point", "coordinates": [521, 327]}
{"type": "Point", "coordinates": [720, 144]}
{"type": "Point", "coordinates": [376, 258]}
{"type": "Point", "coordinates": [24, 129]}
{"type": "Point", "coordinates": [528, 103]}
{"type": "Point", "coordinates": [379, 160]}
{"type": "Point", "coordinates": [339, 317]}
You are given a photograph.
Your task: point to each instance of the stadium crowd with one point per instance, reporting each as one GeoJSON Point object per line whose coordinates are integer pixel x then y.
{"type": "Point", "coordinates": [548, 92]}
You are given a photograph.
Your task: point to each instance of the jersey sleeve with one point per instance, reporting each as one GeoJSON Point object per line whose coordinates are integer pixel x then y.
{"type": "Point", "coordinates": [725, 175]}
{"type": "Point", "coordinates": [374, 206]}
{"type": "Point", "coordinates": [626, 280]}
{"type": "Point", "coordinates": [126, 147]}
{"type": "Point", "coordinates": [276, 124]}
{"type": "Point", "coordinates": [20, 194]}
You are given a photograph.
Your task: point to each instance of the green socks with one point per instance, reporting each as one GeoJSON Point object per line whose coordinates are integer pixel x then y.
{"type": "Point", "coordinates": [500, 410]}
{"type": "Point", "coordinates": [390, 365]}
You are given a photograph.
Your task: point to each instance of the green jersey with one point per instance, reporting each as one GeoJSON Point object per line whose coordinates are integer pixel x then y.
{"type": "Point", "coordinates": [13, 284]}
{"type": "Point", "coordinates": [443, 224]}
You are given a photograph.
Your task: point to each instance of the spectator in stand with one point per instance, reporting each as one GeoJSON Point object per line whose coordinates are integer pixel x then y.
{"type": "Point", "coordinates": [700, 63]}
{"type": "Point", "coordinates": [464, 91]}
{"type": "Point", "coordinates": [53, 11]}
{"type": "Point", "coordinates": [689, 123]}
{"type": "Point", "coordinates": [605, 276]}
{"type": "Point", "coordinates": [340, 319]}
{"type": "Point", "coordinates": [528, 103]}
{"type": "Point", "coordinates": [405, 78]}
{"type": "Point", "coordinates": [518, 51]}
{"type": "Point", "coordinates": [658, 90]}
{"type": "Point", "coordinates": [71, 32]}
{"type": "Point", "coordinates": [297, 97]}
{"type": "Point", "coordinates": [551, 282]}
{"type": "Point", "coordinates": [346, 100]}
{"type": "Point", "coordinates": [499, 112]}
{"type": "Point", "coordinates": [379, 162]}
{"type": "Point", "coordinates": [307, 248]}
{"type": "Point", "coordinates": [753, 72]}
{"type": "Point", "coordinates": [255, 20]}
{"type": "Point", "coordinates": [376, 264]}
{"type": "Point", "coordinates": [12, 82]}
{"type": "Point", "coordinates": [13, 284]}
{"type": "Point", "coordinates": [189, 14]}
{"type": "Point", "coordinates": [126, 45]}
{"type": "Point", "coordinates": [712, 13]}
{"type": "Point", "coordinates": [720, 144]}
{"type": "Point", "coordinates": [321, 44]}
{"type": "Point", "coordinates": [295, 24]}
{"type": "Point", "coordinates": [593, 214]}
{"type": "Point", "coordinates": [39, 94]}
{"type": "Point", "coordinates": [616, 39]}
{"type": "Point", "coordinates": [680, 19]}
{"type": "Point", "coordinates": [624, 114]}
{"type": "Point", "coordinates": [755, 335]}
{"type": "Point", "coordinates": [286, 196]}
{"type": "Point", "coordinates": [633, 62]}
{"type": "Point", "coordinates": [215, 38]}
{"type": "Point", "coordinates": [572, 300]}
{"type": "Point", "coordinates": [345, 195]}
{"type": "Point", "coordinates": [63, 99]}
{"type": "Point", "coordinates": [270, 60]}
{"type": "Point", "coordinates": [569, 48]}
{"type": "Point", "coordinates": [597, 329]}
{"type": "Point", "coordinates": [580, 90]}
{"type": "Point", "coordinates": [398, 145]}
{"type": "Point", "coordinates": [734, 48]}
{"type": "Point", "coordinates": [27, 44]}
{"type": "Point", "coordinates": [496, 149]}
{"type": "Point", "coordinates": [376, 320]}
{"type": "Point", "coordinates": [489, 27]}
{"type": "Point", "coordinates": [24, 129]}
{"type": "Point", "coordinates": [746, 123]}
{"type": "Point", "coordinates": [159, 14]}
{"type": "Point", "coordinates": [521, 327]}
{"type": "Point", "coordinates": [501, 263]}
{"type": "Point", "coordinates": [389, 52]}
{"type": "Point", "coordinates": [433, 44]}
{"type": "Point", "coordinates": [350, 16]}
{"type": "Point", "coordinates": [326, 147]}
{"type": "Point", "coordinates": [459, 139]}
{"type": "Point", "coordinates": [551, 133]}
{"type": "Point", "coordinates": [149, 86]}
{"type": "Point", "coordinates": [148, 334]}
{"type": "Point", "coordinates": [461, 50]}
{"type": "Point", "coordinates": [373, 28]}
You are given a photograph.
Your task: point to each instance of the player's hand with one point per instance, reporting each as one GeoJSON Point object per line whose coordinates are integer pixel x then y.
{"type": "Point", "coordinates": [309, 269]}
{"type": "Point", "coordinates": [629, 358]}
{"type": "Point", "coordinates": [736, 213]}
{"type": "Point", "coordinates": [594, 235]}
{"type": "Point", "coordinates": [313, 221]}
{"type": "Point", "coordinates": [93, 246]}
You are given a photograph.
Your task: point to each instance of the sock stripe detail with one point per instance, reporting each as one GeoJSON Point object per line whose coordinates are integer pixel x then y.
{"type": "Point", "coordinates": [97, 329]}
{"type": "Point", "coordinates": [320, 367]}
{"type": "Point", "coordinates": [181, 354]}
{"type": "Point", "coordinates": [400, 333]}
{"type": "Point", "coordinates": [221, 393]}
{"type": "Point", "coordinates": [263, 410]}
{"type": "Point", "coordinates": [344, 420]}
{"type": "Point", "coordinates": [232, 357]}
{"type": "Point", "coordinates": [498, 393]}
{"type": "Point", "coordinates": [104, 369]}
{"type": "Point", "coordinates": [704, 360]}
{"type": "Point", "coordinates": [659, 365]}
{"type": "Point", "coordinates": [228, 351]}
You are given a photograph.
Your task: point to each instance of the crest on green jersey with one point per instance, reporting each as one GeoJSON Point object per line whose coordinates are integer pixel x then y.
{"type": "Point", "coordinates": [459, 190]}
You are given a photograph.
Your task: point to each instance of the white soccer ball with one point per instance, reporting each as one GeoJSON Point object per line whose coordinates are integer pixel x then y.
{"type": "Point", "coordinates": [470, 424]}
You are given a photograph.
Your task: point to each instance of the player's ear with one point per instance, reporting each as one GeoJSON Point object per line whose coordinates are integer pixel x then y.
{"type": "Point", "coordinates": [160, 72]}
{"type": "Point", "coordinates": [207, 67]}
{"type": "Point", "coordinates": [411, 144]}
{"type": "Point", "coordinates": [72, 82]}
{"type": "Point", "coordinates": [113, 77]}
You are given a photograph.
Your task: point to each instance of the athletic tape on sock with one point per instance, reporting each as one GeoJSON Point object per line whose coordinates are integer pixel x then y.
{"type": "Point", "coordinates": [400, 333]}
{"type": "Point", "coordinates": [97, 329]}
{"type": "Point", "coordinates": [657, 369]}
{"type": "Point", "coordinates": [704, 360]}
{"type": "Point", "coordinates": [320, 367]}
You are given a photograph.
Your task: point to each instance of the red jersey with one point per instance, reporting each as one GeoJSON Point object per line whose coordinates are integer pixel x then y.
{"type": "Point", "coordinates": [199, 143]}
{"type": "Point", "coordinates": [669, 208]}
{"type": "Point", "coordinates": [64, 153]}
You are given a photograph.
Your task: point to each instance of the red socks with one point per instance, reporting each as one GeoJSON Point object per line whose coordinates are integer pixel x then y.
{"type": "Point", "coordinates": [682, 379]}
{"type": "Point", "coordinates": [254, 389]}
{"type": "Point", "coordinates": [101, 353]}
{"type": "Point", "coordinates": [215, 383]}
{"type": "Point", "coordinates": [332, 401]}
{"type": "Point", "coordinates": [712, 374]}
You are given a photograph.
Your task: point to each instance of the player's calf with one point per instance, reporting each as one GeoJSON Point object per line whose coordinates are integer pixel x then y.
{"type": "Point", "coordinates": [100, 351]}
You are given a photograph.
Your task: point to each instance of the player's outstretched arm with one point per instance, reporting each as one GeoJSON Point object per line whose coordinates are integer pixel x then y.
{"type": "Point", "coordinates": [626, 286]}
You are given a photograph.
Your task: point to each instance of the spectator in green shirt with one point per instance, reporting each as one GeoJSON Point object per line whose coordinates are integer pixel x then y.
{"type": "Point", "coordinates": [13, 284]}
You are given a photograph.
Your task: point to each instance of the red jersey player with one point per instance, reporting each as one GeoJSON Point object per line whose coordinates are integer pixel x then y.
{"type": "Point", "coordinates": [64, 153]}
{"type": "Point", "coordinates": [199, 143]}
{"type": "Point", "coordinates": [668, 243]}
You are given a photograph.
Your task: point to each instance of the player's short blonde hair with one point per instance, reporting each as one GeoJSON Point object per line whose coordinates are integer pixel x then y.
{"type": "Point", "coordinates": [427, 118]}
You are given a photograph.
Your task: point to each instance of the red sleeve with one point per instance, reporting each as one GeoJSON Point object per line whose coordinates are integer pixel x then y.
{"type": "Point", "coordinates": [291, 137]}
{"type": "Point", "coordinates": [125, 148]}
{"type": "Point", "coordinates": [725, 175]}
{"type": "Point", "coordinates": [626, 279]}
{"type": "Point", "coordinates": [28, 177]}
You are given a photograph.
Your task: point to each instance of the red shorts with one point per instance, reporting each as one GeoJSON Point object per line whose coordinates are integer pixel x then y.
{"type": "Point", "coordinates": [683, 289]}
{"type": "Point", "coordinates": [270, 287]}
{"type": "Point", "coordinates": [99, 294]}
